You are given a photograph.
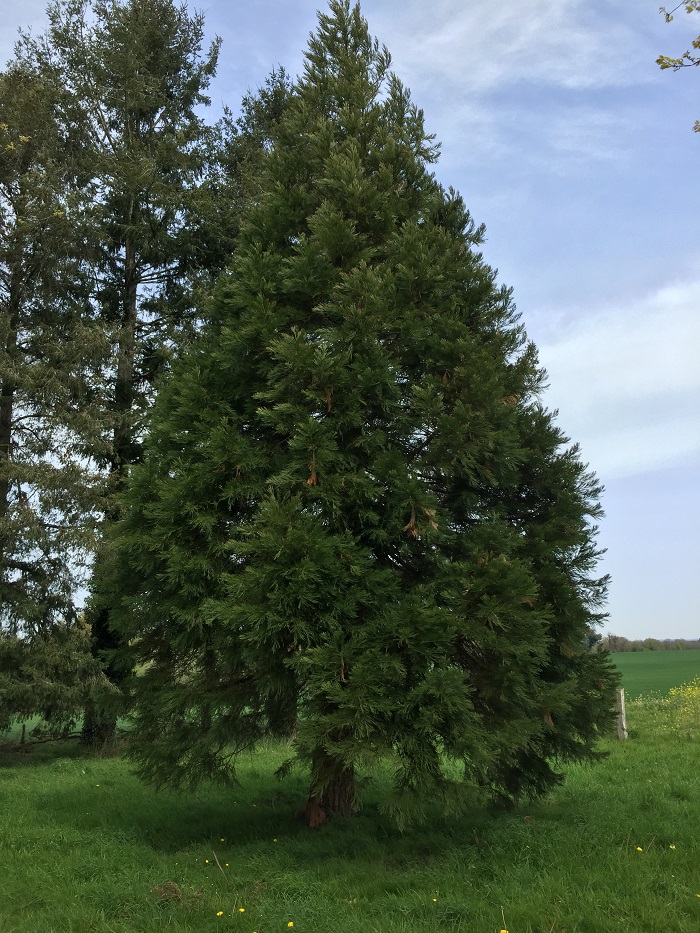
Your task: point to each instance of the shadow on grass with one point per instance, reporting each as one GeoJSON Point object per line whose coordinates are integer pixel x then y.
{"type": "Point", "coordinates": [101, 798]}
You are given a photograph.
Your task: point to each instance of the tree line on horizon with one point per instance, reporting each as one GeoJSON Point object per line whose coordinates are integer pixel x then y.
{"type": "Point", "coordinates": [262, 396]}
{"type": "Point", "coordinates": [614, 643]}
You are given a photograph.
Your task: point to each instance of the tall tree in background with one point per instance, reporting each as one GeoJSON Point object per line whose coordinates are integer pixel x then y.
{"type": "Point", "coordinates": [134, 76]}
{"type": "Point", "coordinates": [353, 514]}
{"type": "Point", "coordinates": [51, 350]}
{"type": "Point", "coordinates": [156, 194]}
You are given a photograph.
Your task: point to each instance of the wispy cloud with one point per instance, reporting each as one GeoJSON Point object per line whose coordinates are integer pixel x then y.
{"type": "Point", "coordinates": [585, 134]}
{"type": "Point", "coordinates": [557, 138]}
{"type": "Point", "coordinates": [626, 381]}
{"type": "Point", "coordinates": [510, 78]}
{"type": "Point", "coordinates": [482, 47]}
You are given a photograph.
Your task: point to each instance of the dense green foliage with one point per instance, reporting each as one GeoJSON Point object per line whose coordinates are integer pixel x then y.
{"type": "Point", "coordinates": [85, 847]}
{"type": "Point", "coordinates": [51, 673]}
{"type": "Point", "coordinates": [133, 76]}
{"type": "Point", "coordinates": [354, 517]}
{"type": "Point", "coordinates": [50, 347]}
{"type": "Point", "coordinates": [51, 352]}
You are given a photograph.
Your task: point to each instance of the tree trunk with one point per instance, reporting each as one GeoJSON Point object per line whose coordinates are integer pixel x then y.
{"type": "Point", "coordinates": [100, 726]}
{"type": "Point", "coordinates": [123, 439]}
{"type": "Point", "coordinates": [100, 723]}
{"type": "Point", "coordinates": [99, 729]}
{"type": "Point", "coordinates": [332, 790]}
{"type": "Point", "coordinates": [7, 399]}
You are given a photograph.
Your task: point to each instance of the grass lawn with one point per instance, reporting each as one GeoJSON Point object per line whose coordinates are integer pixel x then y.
{"type": "Point", "coordinates": [86, 848]}
{"type": "Point", "coordinates": [648, 672]}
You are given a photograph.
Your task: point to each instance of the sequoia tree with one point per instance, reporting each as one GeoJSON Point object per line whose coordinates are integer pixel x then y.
{"type": "Point", "coordinates": [354, 521]}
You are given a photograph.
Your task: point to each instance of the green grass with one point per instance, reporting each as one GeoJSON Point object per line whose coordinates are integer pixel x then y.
{"type": "Point", "coordinates": [85, 847]}
{"type": "Point", "coordinates": [655, 672]}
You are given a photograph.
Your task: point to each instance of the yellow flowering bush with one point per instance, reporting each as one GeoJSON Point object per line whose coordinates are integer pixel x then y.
{"type": "Point", "coordinates": [685, 705]}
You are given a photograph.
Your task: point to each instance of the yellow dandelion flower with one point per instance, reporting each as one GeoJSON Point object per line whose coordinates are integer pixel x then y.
{"type": "Point", "coordinates": [226, 864]}
{"type": "Point", "coordinates": [219, 913]}
{"type": "Point", "coordinates": [222, 840]}
{"type": "Point", "coordinates": [291, 922]}
{"type": "Point", "coordinates": [206, 861]}
{"type": "Point", "coordinates": [241, 910]}
{"type": "Point", "coordinates": [434, 900]}
{"type": "Point", "coordinates": [672, 846]}
{"type": "Point", "coordinates": [274, 840]}
{"type": "Point", "coordinates": [640, 849]}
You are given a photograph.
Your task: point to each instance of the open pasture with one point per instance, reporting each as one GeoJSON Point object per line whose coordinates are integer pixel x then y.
{"type": "Point", "coordinates": [654, 672]}
{"type": "Point", "coordinates": [86, 848]}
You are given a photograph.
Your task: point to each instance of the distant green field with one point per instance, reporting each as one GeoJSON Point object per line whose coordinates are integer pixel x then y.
{"type": "Point", "coordinates": [646, 672]}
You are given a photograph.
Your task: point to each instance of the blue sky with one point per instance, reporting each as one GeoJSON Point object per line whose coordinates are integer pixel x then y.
{"type": "Point", "coordinates": [577, 152]}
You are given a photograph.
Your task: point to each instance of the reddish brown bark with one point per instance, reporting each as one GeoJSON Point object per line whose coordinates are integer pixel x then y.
{"type": "Point", "coordinates": [332, 790]}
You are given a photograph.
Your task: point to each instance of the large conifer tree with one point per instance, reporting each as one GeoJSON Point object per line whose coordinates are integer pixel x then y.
{"type": "Point", "coordinates": [154, 196]}
{"type": "Point", "coordinates": [51, 348]}
{"type": "Point", "coordinates": [133, 76]}
{"type": "Point", "coordinates": [354, 517]}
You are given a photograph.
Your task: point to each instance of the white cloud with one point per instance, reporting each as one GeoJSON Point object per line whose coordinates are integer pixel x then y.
{"type": "Point", "coordinates": [517, 81]}
{"type": "Point", "coordinates": [480, 47]}
{"type": "Point", "coordinates": [626, 381]}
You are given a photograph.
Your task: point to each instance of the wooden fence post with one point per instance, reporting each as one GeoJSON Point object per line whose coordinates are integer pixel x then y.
{"type": "Point", "coordinates": [621, 715]}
